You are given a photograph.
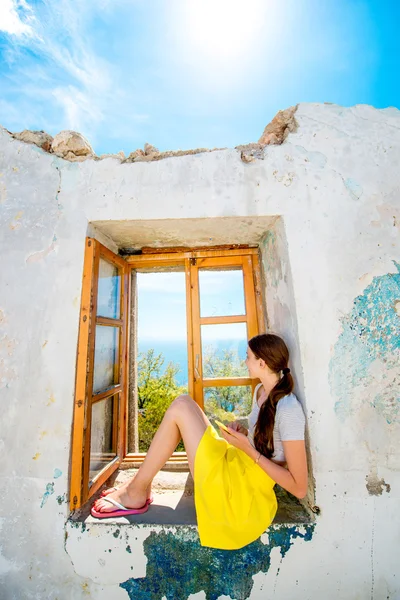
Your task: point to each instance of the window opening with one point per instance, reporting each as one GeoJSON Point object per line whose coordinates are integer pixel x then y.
{"type": "Point", "coordinates": [162, 363]}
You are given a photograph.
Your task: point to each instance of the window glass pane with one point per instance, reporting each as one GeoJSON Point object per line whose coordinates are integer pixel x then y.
{"type": "Point", "coordinates": [224, 350]}
{"type": "Point", "coordinates": [109, 291]}
{"type": "Point", "coordinates": [227, 403]}
{"type": "Point", "coordinates": [221, 293]}
{"type": "Point", "coordinates": [103, 434]}
{"type": "Point", "coordinates": [162, 348]}
{"type": "Point", "coordinates": [106, 357]}
{"type": "Point", "coordinates": [162, 321]}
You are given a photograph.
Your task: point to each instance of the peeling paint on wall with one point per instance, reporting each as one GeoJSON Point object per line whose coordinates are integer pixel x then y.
{"type": "Point", "coordinates": [49, 491]}
{"type": "Point", "coordinates": [272, 264]}
{"type": "Point", "coordinates": [179, 566]}
{"type": "Point", "coordinates": [3, 191]}
{"type": "Point", "coordinates": [354, 189]}
{"type": "Point", "coordinates": [285, 178]}
{"type": "Point", "coordinates": [38, 256]}
{"type": "Point", "coordinates": [370, 333]}
{"type": "Point", "coordinates": [7, 374]}
{"type": "Point", "coordinates": [16, 222]}
{"type": "Point", "coordinates": [375, 486]}
{"type": "Point", "coordinates": [50, 400]}
{"type": "Point", "coordinates": [317, 159]}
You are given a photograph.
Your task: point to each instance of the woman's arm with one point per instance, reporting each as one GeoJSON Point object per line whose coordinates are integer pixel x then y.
{"type": "Point", "coordinates": [294, 478]}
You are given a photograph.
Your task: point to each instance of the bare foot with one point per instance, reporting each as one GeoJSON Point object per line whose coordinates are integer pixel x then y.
{"type": "Point", "coordinates": [110, 490]}
{"type": "Point", "coordinates": [123, 487]}
{"type": "Point", "coordinates": [131, 499]}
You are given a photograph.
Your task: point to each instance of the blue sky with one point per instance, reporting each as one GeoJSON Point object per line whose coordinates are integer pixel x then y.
{"type": "Point", "coordinates": [162, 305]}
{"type": "Point", "coordinates": [162, 315]}
{"type": "Point", "coordinates": [189, 73]}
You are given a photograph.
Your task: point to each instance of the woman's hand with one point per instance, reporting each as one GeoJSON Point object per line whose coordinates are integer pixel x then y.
{"type": "Point", "coordinates": [237, 439]}
{"type": "Point", "coordinates": [236, 426]}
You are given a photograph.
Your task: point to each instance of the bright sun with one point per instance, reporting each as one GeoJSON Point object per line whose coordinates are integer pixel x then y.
{"type": "Point", "coordinates": [224, 28]}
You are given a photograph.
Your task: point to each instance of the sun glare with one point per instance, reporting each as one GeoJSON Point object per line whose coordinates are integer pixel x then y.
{"type": "Point", "coordinates": [224, 28]}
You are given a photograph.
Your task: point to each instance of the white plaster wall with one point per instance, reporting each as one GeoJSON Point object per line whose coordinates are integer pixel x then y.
{"type": "Point", "coordinates": [335, 183]}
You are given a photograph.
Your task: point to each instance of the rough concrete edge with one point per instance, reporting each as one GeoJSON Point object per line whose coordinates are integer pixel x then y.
{"type": "Point", "coordinates": [275, 133]}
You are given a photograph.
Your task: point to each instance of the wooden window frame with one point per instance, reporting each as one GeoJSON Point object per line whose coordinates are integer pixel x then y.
{"type": "Point", "coordinates": [80, 487]}
{"type": "Point", "coordinates": [191, 260]}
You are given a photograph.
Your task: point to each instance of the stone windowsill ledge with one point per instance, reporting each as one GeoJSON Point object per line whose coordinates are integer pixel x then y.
{"type": "Point", "coordinates": [173, 504]}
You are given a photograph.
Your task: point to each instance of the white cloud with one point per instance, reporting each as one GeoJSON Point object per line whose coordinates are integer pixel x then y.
{"type": "Point", "coordinates": [10, 20]}
{"type": "Point", "coordinates": [54, 74]}
{"type": "Point", "coordinates": [78, 107]}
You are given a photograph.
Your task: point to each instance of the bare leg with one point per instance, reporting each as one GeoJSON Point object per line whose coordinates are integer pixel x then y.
{"type": "Point", "coordinates": [184, 418]}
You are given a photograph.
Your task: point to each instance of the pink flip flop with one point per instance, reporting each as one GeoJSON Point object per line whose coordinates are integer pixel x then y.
{"type": "Point", "coordinates": [122, 512]}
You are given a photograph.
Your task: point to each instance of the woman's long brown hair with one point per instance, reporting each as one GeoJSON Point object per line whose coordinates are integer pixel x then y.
{"type": "Point", "coordinates": [273, 350]}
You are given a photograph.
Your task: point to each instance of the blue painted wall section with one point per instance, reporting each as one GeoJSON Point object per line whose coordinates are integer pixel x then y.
{"type": "Point", "coordinates": [49, 491]}
{"type": "Point", "coordinates": [179, 566]}
{"type": "Point", "coordinates": [371, 331]}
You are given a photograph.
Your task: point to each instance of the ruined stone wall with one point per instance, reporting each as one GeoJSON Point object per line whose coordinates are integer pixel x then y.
{"type": "Point", "coordinates": [325, 207]}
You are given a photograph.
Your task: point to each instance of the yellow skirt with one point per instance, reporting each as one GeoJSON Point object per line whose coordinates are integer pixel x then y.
{"type": "Point", "coordinates": [234, 498]}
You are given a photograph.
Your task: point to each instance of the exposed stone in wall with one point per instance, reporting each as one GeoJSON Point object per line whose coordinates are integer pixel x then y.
{"type": "Point", "coordinates": [120, 155]}
{"type": "Point", "coordinates": [250, 152]}
{"type": "Point", "coordinates": [281, 125]}
{"type": "Point", "coordinates": [134, 155]}
{"type": "Point", "coordinates": [141, 156]}
{"type": "Point", "coordinates": [275, 133]}
{"type": "Point", "coordinates": [74, 147]}
{"type": "Point", "coordinates": [149, 149]}
{"type": "Point", "coordinates": [39, 138]}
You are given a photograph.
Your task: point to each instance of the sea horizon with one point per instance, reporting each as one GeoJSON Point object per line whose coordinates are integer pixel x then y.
{"type": "Point", "coordinates": [176, 352]}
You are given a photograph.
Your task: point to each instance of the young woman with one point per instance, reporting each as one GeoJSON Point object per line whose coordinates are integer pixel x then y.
{"type": "Point", "coordinates": [234, 473]}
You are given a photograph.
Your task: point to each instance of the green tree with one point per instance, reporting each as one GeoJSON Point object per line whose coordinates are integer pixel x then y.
{"type": "Point", "coordinates": [230, 402]}
{"type": "Point", "coordinates": [156, 391]}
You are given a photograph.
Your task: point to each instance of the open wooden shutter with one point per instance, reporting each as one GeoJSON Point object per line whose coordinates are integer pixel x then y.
{"type": "Point", "coordinates": [99, 428]}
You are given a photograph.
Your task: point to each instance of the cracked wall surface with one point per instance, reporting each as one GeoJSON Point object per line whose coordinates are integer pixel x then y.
{"type": "Point", "coordinates": [328, 197]}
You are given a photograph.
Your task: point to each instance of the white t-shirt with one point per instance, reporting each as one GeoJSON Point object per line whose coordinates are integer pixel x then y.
{"type": "Point", "coordinates": [289, 422]}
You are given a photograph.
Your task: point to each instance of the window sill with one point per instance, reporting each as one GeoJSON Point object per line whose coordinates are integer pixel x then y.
{"type": "Point", "coordinates": [174, 504]}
